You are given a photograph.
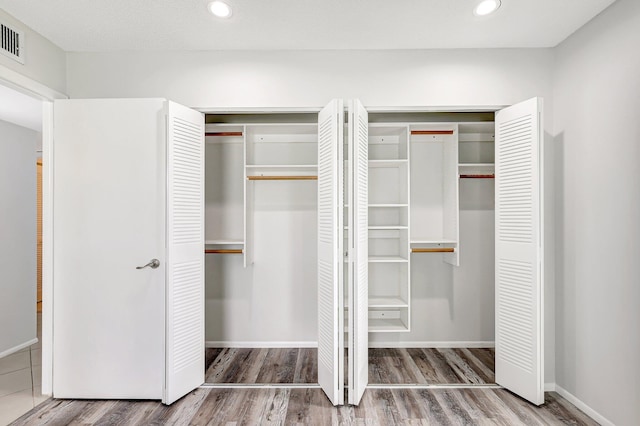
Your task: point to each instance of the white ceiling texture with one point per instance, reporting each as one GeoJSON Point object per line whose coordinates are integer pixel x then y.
{"type": "Point", "coordinates": [136, 25]}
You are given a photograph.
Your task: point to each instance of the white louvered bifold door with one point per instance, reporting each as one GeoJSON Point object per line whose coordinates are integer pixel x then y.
{"type": "Point", "coordinates": [184, 368]}
{"type": "Point", "coordinates": [359, 253]}
{"type": "Point", "coordinates": [330, 242]}
{"type": "Point", "coordinates": [519, 279]}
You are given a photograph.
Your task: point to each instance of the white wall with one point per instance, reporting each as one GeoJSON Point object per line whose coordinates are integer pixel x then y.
{"type": "Point", "coordinates": [44, 61]}
{"type": "Point", "coordinates": [597, 143]}
{"type": "Point", "coordinates": [311, 78]}
{"type": "Point", "coordinates": [17, 237]}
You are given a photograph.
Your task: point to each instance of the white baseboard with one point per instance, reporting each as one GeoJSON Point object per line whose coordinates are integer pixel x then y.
{"type": "Point", "coordinates": [234, 344]}
{"type": "Point", "coordinates": [582, 406]}
{"type": "Point", "coordinates": [549, 387]}
{"type": "Point", "coordinates": [18, 348]}
{"type": "Point", "coordinates": [433, 344]}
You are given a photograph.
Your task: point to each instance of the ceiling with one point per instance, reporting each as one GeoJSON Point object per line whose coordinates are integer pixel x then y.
{"type": "Point", "coordinates": [137, 25]}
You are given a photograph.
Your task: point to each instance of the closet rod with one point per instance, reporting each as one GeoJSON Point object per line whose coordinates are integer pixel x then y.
{"type": "Point", "coordinates": [223, 251]}
{"type": "Point", "coordinates": [432, 132]}
{"type": "Point", "coordinates": [223, 134]}
{"type": "Point", "coordinates": [477, 176]}
{"type": "Point", "coordinates": [433, 250]}
{"type": "Point", "coordinates": [282, 177]}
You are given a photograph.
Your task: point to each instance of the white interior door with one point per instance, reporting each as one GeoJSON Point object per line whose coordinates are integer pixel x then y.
{"type": "Point", "coordinates": [519, 229]}
{"type": "Point", "coordinates": [17, 238]}
{"type": "Point", "coordinates": [330, 249]}
{"type": "Point", "coordinates": [108, 218]}
{"type": "Point", "coordinates": [185, 252]}
{"type": "Point", "coordinates": [358, 252]}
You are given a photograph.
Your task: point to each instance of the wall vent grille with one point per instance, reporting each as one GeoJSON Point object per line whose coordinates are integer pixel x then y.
{"type": "Point", "coordinates": [12, 43]}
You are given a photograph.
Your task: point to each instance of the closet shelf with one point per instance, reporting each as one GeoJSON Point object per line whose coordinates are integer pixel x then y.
{"type": "Point", "coordinates": [387, 205]}
{"type": "Point", "coordinates": [282, 166]}
{"type": "Point", "coordinates": [388, 227]}
{"type": "Point", "coordinates": [476, 170]}
{"type": "Point", "coordinates": [426, 242]}
{"type": "Point", "coordinates": [224, 242]}
{"type": "Point", "coordinates": [299, 177]}
{"type": "Point", "coordinates": [387, 259]}
{"type": "Point", "coordinates": [389, 325]}
{"type": "Point", "coordinates": [387, 302]}
{"type": "Point", "coordinates": [223, 251]}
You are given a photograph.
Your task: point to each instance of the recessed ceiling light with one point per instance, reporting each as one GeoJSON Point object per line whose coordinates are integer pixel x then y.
{"type": "Point", "coordinates": [485, 7]}
{"type": "Point", "coordinates": [220, 9]}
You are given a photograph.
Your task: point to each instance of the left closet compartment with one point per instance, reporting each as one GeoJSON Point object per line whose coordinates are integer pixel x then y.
{"type": "Point", "coordinates": [261, 296]}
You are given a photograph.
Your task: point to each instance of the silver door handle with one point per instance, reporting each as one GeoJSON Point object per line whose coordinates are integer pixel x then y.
{"type": "Point", "coordinates": [153, 264]}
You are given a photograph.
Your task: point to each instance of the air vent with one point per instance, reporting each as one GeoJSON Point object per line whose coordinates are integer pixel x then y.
{"type": "Point", "coordinates": [12, 44]}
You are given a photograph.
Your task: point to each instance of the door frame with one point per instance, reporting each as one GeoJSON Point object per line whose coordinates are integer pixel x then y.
{"type": "Point", "coordinates": [47, 95]}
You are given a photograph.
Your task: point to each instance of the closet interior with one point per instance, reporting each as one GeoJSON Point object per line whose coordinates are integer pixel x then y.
{"type": "Point", "coordinates": [430, 247]}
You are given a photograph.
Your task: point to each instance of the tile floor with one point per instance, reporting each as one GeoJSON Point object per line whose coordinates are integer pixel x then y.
{"type": "Point", "coordinates": [20, 381]}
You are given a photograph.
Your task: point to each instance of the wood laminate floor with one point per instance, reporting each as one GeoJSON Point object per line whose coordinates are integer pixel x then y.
{"type": "Point", "coordinates": [279, 406]}
{"type": "Point", "coordinates": [386, 366]}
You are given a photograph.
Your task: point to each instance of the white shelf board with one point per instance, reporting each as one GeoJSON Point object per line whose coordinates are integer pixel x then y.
{"type": "Point", "coordinates": [387, 205]}
{"type": "Point", "coordinates": [275, 167]}
{"type": "Point", "coordinates": [387, 163]}
{"type": "Point", "coordinates": [425, 241]}
{"type": "Point", "coordinates": [386, 325]}
{"type": "Point", "coordinates": [388, 227]}
{"type": "Point", "coordinates": [474, 165]}
{"type": "Point", "coordinates": [224, 242]}
{"type": "Point", "coordinates": [387, 259]}
{"type": "Point", "coordinates": [387, 302]}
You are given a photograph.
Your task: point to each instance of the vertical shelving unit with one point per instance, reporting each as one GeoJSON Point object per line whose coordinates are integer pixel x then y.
{"type": "Point", "coordinates": [389, 269]}
{"type": "Point", "coordinates": [277, 154]}
{"type": "Point", "coordinates": [224, 203]}
{"type": "Point", "coordinates": [476, 160]}
{"type": "Point", "coordinates": [434, 190]}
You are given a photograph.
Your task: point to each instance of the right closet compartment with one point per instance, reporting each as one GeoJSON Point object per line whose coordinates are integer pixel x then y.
{"type": "Point", "coordinates": [431, 247]}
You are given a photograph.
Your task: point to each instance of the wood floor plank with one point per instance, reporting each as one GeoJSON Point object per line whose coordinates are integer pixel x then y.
{"type": "Point", "coordinates": [180, 412]}
{"type": "Point", "coordinates": [306, 366]}
{"type": "Point", "coordinates": [433, 411]}
{"type": "Point", "coordinates": [566, 412]}
{"type": "Point", "coordinates": [386, 366]}
{"type": "Point", "coordinates": [236, 365]}
{"type": "Point", "coordinates": [93, 413]}
{"type": "Point", "coordinates": [278, 366]}
{"type": "Point", "coordinates": [522, 411]}
{"type": "Point", "coordinates": [210, 354]}
{"type": "Point", "coordinates": [485, 371]}
{"type": "Point", "coordinates": [444, 373]}
{"type": "Point", "coordinates": [457, 362]}
{"type": "Point", "coordinates": [217, 405]}
{"type": "Point", "coordinates": [54, 411]}
{"type": "Point", "coordinates": [478, 406]}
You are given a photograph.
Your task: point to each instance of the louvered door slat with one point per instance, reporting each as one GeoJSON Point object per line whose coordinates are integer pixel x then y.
{"type": "Point", "coordinates": [185, 258]}
{"type": "Point", "coordinates": [359, 253]}
{"type": "Point", "coordinates": [330, 242]}
{"type": "Point", "coordinates": [519, 285]}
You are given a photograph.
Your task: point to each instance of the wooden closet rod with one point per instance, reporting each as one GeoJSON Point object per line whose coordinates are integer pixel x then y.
{"type": "Point", "coordinates": [282, 177]}
{"type": "Point", "coordinates": [223, 251]}
{"type": "Point", "coordinates": [433, 250]}
{"type": "Point", "coordinates": [223, 134]}
{"type": "Point", "coordinates": [432, 132]}
{"type": "Point", "coordinates": [477, 176]}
